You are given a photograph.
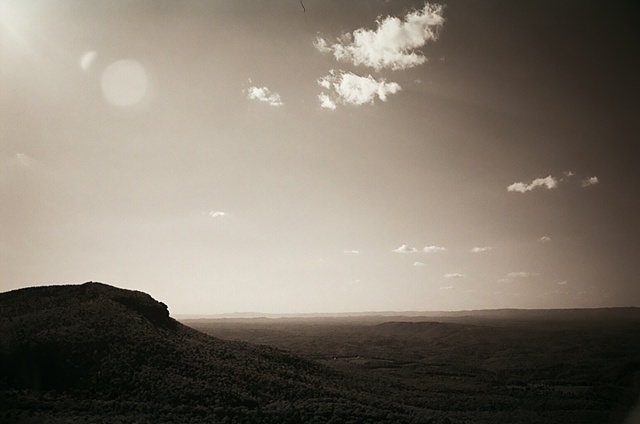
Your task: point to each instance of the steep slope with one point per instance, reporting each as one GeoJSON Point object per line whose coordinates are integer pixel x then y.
{"type": "Point", "coordinates": [92, 352]}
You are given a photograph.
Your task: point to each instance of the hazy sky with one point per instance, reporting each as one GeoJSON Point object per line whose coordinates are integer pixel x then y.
{"type": "Point", "coordinates": [246, 155]}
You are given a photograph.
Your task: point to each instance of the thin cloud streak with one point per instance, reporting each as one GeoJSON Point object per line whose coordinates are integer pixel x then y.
{"type": "Point", "coordinates": [433, 249]}
{"type": "Point", "coordinates": [548, 182]}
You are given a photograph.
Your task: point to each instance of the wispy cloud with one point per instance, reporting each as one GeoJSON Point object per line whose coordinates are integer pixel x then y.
{"type": "Point", "coordinates": [351, 252]}
{"type": "Point", "coordinates": [217, 214]}
{"type": "Point", "coordinates": [521, 274]}
{"type": "Point", "coordinates": [544, 239]}
{"type": "Point", "coordinates": [263, 94]}
{"type": "Point", "coordinates": [433, 249]}
{"type": "Point", "coordinates": [419, 264]}
{"type": "Point", "coordinates": [447, 288]}
{"type": "Point", "coordinates": [480, 249]}
{"type": "Point", "coordinates": [562, 283]}
{"type": "Point", "coordinates": [392, 44]}
{"type": "Point", "coordinates": [548, 182]}
{"type": "Point", "coordinates": [405, 249]}
{"type": "Point", "coordinates": [347, 88]}
{"type": "Point", "coordinates": [590, 181]}
{"type": "Point", "coordinates": [454, 275]}
{"type": "Point", "coordinates": [23, 160]}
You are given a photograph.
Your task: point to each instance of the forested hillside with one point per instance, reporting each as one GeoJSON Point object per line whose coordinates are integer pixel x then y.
{"type": "Point", "coordinates": [96, 353]}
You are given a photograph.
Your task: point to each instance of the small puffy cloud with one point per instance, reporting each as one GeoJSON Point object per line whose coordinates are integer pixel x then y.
{"type": "Point", "coordinates": [480, 249]}
{"type": "Point", "coordinates": [393, 44]}
{"type": "Point", "coordinates": [447, 288]}
{"type": "Point", "coordinates": [569, 174]}
{"type": "Point", "coordinates": [454, 275]}
{"type": "Point", "coordinates": [352, 252]}
{"type": "Point", "coordinates": [548, 182]}
{"type": "Point", "coordinates": [433, 249]}
{"type": "Point", "coordinates": [419, 264]}
{"type": "Point", "coordinates": [217, 214]}
{"type": "Point", "coordinates": [347, 88]}
{"type": "Point", "coordinates": [590, 181]}
{"type": "Point", "coordinates": [405, 249]}
{"type": "Point", "coordinates": [263, 94]}
{"type": "Point", "coordinates": [544, 239]}
{"type": "Point", "coordinates": [326, 102]}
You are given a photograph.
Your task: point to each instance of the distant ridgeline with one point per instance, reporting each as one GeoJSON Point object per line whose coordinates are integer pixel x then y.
{"type": "Point", "coordinates": [96, 353]}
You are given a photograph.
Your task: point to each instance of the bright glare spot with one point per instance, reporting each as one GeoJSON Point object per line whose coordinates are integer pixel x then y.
{"type": "Point", "coordinates": [87, 59]}
{"type": "Point", "coordinates": [124, 83]}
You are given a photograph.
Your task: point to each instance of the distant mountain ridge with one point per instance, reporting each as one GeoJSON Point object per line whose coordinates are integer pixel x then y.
{"type": "Point", "coordinates": [630, 312]}
{"type": "Point", "coordinates": [97, 353]}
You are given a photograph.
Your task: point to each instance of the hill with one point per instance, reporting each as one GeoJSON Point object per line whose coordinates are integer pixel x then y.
{"type": "Point", "coordinates": [96, 353]}
{"type": "Point", "coordinates": [568, 366]}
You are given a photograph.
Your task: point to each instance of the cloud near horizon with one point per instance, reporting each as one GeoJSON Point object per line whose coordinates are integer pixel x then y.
{"type": "Point", "coordinates": [521, 274]}
{"type": "Point", "coordinates": [405, 249]}
{"type": "Point", "coordinates": [433, 249]}
{"type": "Point", "coordinates": [549, 182]}
{"type": "Point", "coordinates": [393, 44]}
{"type": "Point", "coordinates": [454, 275]}
{"type": "Point", "coordinates": [480, 249]}
{"type": "Point", "coordinates": [263, 94]}
{"type": "Point", "coordinates": [347, 88]}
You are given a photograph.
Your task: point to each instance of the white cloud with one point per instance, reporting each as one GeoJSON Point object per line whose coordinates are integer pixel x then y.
{"type": "Point", "coordinates": [454, 275]}
{"type": "Point", "coordinates": [326, 102]}
{"type": "Point", "coordinates": [217, 214]}
{"type": "Point", "coordinates": [353, 252]}
{"type": "Point", "coordinates": [590, 181]}
{"type": "Point", "coordinates": [544, 239]}
{"type": "Point", "coordinates": [433, 249]}
{"type": "Point", "coordinates": [447, 288]}
{"type": "Point", "coordinates": [569, 174]}
{"type": "Point", "coordinates": [263, 94]}
{"type": "Point", "coordinates": [392, 44]}
{"type": "Point", "coordinates": [480, 249]}
{"type": "Point", "coordinates": [549, 182]}
{"type": "Point", "coordinates": [419, 264]}
{"type": "Point", "coordinates": [348, 88]}
{"type": "Point", "coordinates": [405, 249]}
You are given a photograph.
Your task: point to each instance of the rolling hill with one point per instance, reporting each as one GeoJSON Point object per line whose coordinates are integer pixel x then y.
{"type": "Point", "coordinates": [97, 353]}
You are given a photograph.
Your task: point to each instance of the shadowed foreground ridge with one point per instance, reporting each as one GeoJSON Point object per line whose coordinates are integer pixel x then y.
{"type": "Point", "coordinates": [96, 353]}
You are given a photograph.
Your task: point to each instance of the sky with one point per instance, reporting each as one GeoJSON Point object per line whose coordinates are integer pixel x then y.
{"type": "Point", "coordinates": [330, 156]}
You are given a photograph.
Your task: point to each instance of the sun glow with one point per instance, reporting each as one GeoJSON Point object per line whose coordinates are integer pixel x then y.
{"type": "Point", "coordinates": [124, 83]}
